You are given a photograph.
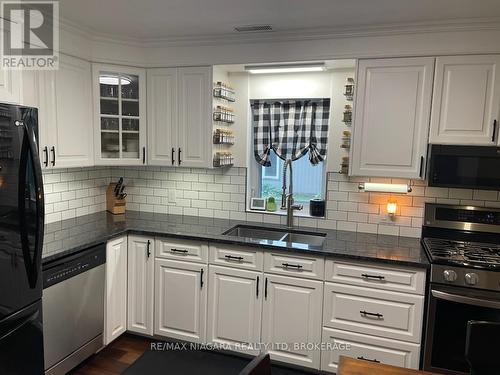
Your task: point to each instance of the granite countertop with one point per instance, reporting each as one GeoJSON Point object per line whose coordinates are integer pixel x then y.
{"type": "Point", "coordinates": [69, 236]}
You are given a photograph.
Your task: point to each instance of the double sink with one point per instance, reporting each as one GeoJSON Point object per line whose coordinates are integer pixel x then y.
{"type": "Point", "coordinates": [270, 236]}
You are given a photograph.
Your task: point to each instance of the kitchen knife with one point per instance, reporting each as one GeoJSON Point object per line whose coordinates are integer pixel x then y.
{"type": "Point", "coordinates": [118, 186]}
{"type": "Point", "coordinates": [122, 187]}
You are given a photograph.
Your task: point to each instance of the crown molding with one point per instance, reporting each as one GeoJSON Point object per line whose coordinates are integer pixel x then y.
{"type": "Point", "coordinates": [450, 25]}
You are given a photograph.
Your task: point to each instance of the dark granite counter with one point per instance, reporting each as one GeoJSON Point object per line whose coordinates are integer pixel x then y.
{"type": "Point", "coordinates": [69, 236]}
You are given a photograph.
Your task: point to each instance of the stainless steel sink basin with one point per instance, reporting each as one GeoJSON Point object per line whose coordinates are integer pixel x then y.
{"type": "Point", "coordinates": [272, 235]}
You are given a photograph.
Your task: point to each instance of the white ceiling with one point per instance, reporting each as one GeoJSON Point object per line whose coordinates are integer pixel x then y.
{"type": "Point", "coordinates": [155, 19]}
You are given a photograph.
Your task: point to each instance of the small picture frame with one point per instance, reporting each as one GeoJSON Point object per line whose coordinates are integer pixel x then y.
{"type": "Point", "coordinates": [258, 204]}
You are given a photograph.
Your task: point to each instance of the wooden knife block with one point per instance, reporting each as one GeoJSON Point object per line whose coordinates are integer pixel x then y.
{"type": "Point", "coordinates": [113, 204]}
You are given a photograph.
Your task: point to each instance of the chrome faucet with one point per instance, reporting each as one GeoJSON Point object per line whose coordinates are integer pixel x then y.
{"type": "Point", "coordinates": [287, 199]}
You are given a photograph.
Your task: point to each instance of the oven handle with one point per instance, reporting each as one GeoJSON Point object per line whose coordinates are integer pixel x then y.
{"type": "Point", "coordinates": [466, 300]}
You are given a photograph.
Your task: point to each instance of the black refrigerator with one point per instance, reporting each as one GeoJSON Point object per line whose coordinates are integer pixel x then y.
{"type": "Point", "coordinates": [21, 240]}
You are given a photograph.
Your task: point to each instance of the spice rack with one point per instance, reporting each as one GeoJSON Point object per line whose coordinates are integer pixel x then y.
{"type": "Point", "coordinates": [223, 118]}
{"type": "Point", "coordinates": [347, 120]}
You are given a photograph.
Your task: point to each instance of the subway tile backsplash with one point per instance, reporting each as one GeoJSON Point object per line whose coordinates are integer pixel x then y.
{"type": "Point", "coordinates": [220, 193]}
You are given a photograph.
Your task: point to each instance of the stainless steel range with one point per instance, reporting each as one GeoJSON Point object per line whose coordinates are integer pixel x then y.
{"type": "Point", "coordinates": [463, 245]}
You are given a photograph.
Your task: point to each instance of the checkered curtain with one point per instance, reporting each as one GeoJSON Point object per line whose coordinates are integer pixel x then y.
{"type": "Point", "coordinates": [292, 128]}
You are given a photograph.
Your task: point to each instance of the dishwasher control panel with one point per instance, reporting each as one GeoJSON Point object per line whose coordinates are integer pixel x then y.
{"type": "Point", "coordinates": [72, 265]}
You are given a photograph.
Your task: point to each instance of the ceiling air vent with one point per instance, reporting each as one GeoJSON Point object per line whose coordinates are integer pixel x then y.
{"type": "Point", "coordinates": [253, 28]}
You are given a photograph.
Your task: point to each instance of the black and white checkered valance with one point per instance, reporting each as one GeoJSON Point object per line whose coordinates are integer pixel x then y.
{"type": "Point", "coordinates": [291, 128]}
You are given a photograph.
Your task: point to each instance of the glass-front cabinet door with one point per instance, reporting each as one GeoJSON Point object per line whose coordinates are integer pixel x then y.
{"type": "Point", "coordinates": [120, 110]}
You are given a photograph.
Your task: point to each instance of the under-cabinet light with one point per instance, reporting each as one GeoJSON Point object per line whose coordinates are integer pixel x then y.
{"type": "Point", "coordinates": [384, 188]}
{"type": "Point", "coordinates": [285, 68]}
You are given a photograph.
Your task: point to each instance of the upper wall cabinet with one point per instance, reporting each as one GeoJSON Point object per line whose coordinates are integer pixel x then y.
{"type": "Point", "coordinates": [179, 117]}
{"type": "Point", "coordinates": [66, 115]}
{"type": "Point", "coordinates": [120, 115]}
{"type": "Point", "coordinates": [466, 100]}
{"type": "Point", "coordinates": [392, 111]}
{"type": "Point", "coordinates": [10, 86]}
{"type": "Point", "coordinates": [64, 100]}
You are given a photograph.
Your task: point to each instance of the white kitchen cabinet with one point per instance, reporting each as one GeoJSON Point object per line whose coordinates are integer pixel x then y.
{"type": "Point", "coordinates": [179, 110]}
{"type": "Point", "coordinates": [115, 321]}
{"type": "Point", "coordinates": [162, 116]}
{"type": "Point", "coordinates": [65, 115]}
{"type": "Point", "coordinates": [140, 284]}
{"type": "Point", "coordinates": [120, 127]}
{"type": "Point", "coordinates": [234, 307]}
{"type": "Point", "coordinates": [180, 300]}
{"type": "Point", "coordinates": [11, 86]}
{"type": "Point", "coordinates": [292, 314]}
{"type": "Point", "coordinates": [466, 100]}
{"type": "Point", "coordinates": [391, 119]}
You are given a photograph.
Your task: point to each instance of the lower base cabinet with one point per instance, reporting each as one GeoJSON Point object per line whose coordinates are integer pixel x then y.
{"type": "Point", "coordinates": [370, 348]}
{"type": "Point", "coordinates": [140, 284]}
{"type": "Point", "coordinates": [292, 316]}
{"type": "Point", "coordinates": [180, 300]}
{"type": "Point", "coordinates": [234, 308]}
{"type": "Point", "coordinates": [115, 306]}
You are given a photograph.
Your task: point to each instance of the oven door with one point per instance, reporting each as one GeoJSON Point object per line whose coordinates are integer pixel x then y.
{"type": "Point", "coordinates": [449, 311]}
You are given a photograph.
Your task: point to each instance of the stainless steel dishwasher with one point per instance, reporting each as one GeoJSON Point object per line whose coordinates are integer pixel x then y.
{"type": "Point", "coordinates": [73, 308]}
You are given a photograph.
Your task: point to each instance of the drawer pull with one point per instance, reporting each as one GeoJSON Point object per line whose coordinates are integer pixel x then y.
{"type": "Point", "coordinates": [182, 251]}
{"type": "Point", "coordinates": [369, 360]}
{"type": "Point", "coordinates": [232, 257]}
{"type": "Point", "coordinates": [366, 313]}
{"type": "Point", "coordinates": [287, 265]}
{"type": "Point", "coordinates": [377, 277]}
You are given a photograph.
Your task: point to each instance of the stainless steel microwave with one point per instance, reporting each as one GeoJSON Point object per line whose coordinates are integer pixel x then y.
{"type": "Point", "coordinates": [471, 167]}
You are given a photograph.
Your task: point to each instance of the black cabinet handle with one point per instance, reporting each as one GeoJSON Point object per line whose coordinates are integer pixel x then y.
{"type": "Point", "coordinates": [257, 287]}
{"type": "Point", "coordinates": [231, 257]}
{"type": "Point", "coordinates": [366, 313]}
{"type": "Point", "coordinates": [179, 156]}
{"type": "Point", "coordinates": [367, 276]}
{"type": "Point", "coordinates": [201, 278]}
{"type": "Point", "coordinates": [421, 166]}
{"type": "Point", "coordinates": [287, 265]}
{"type": "Point", "coordinates": [46, 152]}
{"type": "Point", "coordinates": [369, 360]}
{"type": "Point", "coordinates": [265, 289]}
{"type": "Point", "coordinates": [178, 251]}
{"type": "Point", "coordinates": [494, 130]}
{"type": "Point", "coordinates": [53, 150]}
{"type": "Point", "coordinates": [173, 153]}
{"type": "Point", "coordinates": [144, 155]}
{"type": "Point", "coordinates": [148, 251]}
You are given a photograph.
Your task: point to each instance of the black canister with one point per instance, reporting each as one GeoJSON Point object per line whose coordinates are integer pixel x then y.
{"type": "Point", "coordinates": [317, 207]}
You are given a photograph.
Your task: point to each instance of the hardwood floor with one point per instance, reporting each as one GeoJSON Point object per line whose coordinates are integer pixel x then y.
{"type": "Point", "coordinates": [115, 358]}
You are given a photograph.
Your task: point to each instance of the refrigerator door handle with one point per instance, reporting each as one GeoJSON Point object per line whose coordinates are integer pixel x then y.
{"type": "Point", "coordinates": [29, 150]}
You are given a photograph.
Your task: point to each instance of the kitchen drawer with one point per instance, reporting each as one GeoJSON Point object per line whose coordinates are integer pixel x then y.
{"type": "Point", "coordinates": [399, 279]}
{"type": "Point", "coordinates": [194, 251]}
{"type": "Point", "coordinates": [294, 265]}
{"type": "Point", "coordinates": [237, 256]}
{"type": "Point", "coordinates": [370, 348]}
{"type": "Point", "coordinates": [375, 312]}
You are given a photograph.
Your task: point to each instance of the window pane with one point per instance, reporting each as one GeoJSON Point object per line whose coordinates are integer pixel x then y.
{"type": "Point", "coordinates": [307, 179]}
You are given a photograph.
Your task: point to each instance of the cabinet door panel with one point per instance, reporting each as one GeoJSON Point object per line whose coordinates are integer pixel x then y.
{"type": "Point", "coordinates": [72, 133]}
{"type": "Point", "coordinates": [195, 126]}
{"type": "Point", "coordinates": [235, 303]}
{"type": "Point", "coordinates": [10, 86]}
{"type": "Point", "coordinates": [391, 120]}
{"type": "Point", "coordinates": [292, 314]}
{"type": "Point", "coordinates": [162, 116]}
{"type": "Point", "coordinates": [116, 289]}
{"type": "Point", "coordinates": [466, 99]}
{"type": "Point", "coordinates": [140, 284]}
{"type": "Point", "coordinates": [181, 300]}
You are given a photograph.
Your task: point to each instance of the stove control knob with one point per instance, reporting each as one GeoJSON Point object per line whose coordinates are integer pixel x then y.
{"type": "Point", "coordinates": [449, 275]}
{"type": "Point", "coordinates": [471, 278]}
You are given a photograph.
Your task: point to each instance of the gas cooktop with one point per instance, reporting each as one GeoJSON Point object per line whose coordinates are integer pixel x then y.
{"type": "Point", "coordinates": [463, 253]}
